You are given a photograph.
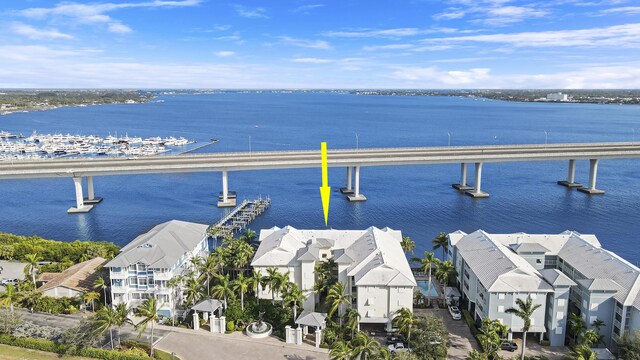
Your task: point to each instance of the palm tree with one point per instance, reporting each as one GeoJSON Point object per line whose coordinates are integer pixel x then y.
{"type": "Point", "coordinates": [9, 296]}
{"type": "Point", "coordinates": [276, 281]}
{"type": "Point", "coordinates": [106, 318]}
{"type": "Point", "coordinates": [149, 311]}
{"type": "Point", "coordinates": [582, 352]}
{"type": "Point", "coordinates": [223, 289]}
{"type": "Point", "coordinates": [577, 327]}
{"type": "Point", "coordinates": [31, 298]}
{"type": "Point", "coordinates": [98, 284]}
{"type": "Point", "coordinates": [208, 268]}
{"type": "Point", "coordinates": [427, 263]}
{"type": "Point", "coordinates": [404, 321]}
{"type": "Point", "coordinates": [122, 317]}
{"type": "Point", "coordinates": [340, 351]}
{"type": "Point", "coordinates": [444, 271]}
{"type": "Point", "coordinates": [352, 318]}
{"type": "Point", "coordinates": [407, 244]}
{"type": "Point", "coordinates": [441, 241]}
{"type": "Point", "coordinates": [32, 263]}
{"type": "Point", "coordinates": [241, 284]}
{"type": "Point", "coordinates": [524, 311]}
{"type": "Point", "coordinates": [249, 235]}
{"type": "Point", "coordinates": [193, 290]}
{"type": "Point", "coordinates": [295, 297]}
{"type": "Point", "coordinates": [364, 346]}
{"type": "Point", "coordinates": [90, 297]}
{"type": "Point", "coordinates": [256, 280]}
{"type": "Point", "coordinates": [175, 284]}
{"type": "Point", "coordinates": [336, 297]}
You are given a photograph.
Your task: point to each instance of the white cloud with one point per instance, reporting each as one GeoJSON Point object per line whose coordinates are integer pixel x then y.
{"type": "Point", "coordinates": [306, 9]}
{"type": "Point", "coordinates": [431, 76]}
{"type": "Point", "coordinates": [388, 47]}
{"type": "Point", "coordinates": [311, 44]}
{"type": "Point", "coordinates": [491, 12]}
{"type": "Point", "coordinates": [626, 36]}
{"type": "Point", "coordinates": [372, 33]}
{"type": "Point", "coordinates": [38, 34]}
{"type": "Point", "coordinates": [312, 60]}
{"type": "Point", "coordinates": [450, 14]}
{"type": "Point", "coordinates": [628, 10]}
{"type": "Point", "coordinates": [95, 13]}
{"type": "Point", "coordinates": [252, 13]}
{"type": "Point", "coordinates": [225, 53]}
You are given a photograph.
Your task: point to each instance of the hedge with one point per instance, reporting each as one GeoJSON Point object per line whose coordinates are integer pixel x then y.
{"type": "Point", "coordinates": [50, 346]}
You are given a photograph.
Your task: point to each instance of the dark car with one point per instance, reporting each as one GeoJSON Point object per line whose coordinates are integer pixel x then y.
{"type": "Point", "coordinates": [509, 346]}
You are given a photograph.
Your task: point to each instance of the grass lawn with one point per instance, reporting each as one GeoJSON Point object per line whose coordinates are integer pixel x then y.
{"type": "Point", "coordinates": [13, 353]}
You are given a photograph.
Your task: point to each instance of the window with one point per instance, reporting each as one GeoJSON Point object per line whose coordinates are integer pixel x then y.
{"type": "Point", "coordinates": [135, 296]}
{"type": "Point", "coordinates": [324, 256]}
{"type": "Point", "coordinates": [533, 296]}
{"type": "Point", "coordinates": [500, 309]}
{"type": "Point", "coordinates": [133, 281]}
{"type": "Point", "coordinates": [559, 330]}
{"type": "Point", "coordinates": [501, 296]}
{"type": "Point", "coordinates": [560, 315]}
{"type": "Point", "coordinates": [538, 261]}
{"type": "Point", "coordinates": [561, 302]}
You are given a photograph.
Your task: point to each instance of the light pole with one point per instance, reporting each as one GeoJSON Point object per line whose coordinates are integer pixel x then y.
{"type": "Point", "coordinates": [546, 135]}
{"type": "Point", "coordinates": [449, 135]}
{"type": "Point", "coordinates": [357, 141]}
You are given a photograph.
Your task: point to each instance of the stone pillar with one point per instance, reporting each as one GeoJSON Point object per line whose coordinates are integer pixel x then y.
{"type": "Point", "coordinates": [318, 337]}
{"type": "Point", "coordinates": [571, 176]}
{"type": "Point", "coordinates": [593, 173]}
{"type": "Point", "coordinates": [305, 330]}
{"type": "Point", "coordinates": [223, 324]}
{"type": "Point", "coordinates": [90, 193]}
{"type": "Point", "coordinates": [205, 316]}
{"type": "Point", "coordinates": [196, 321]}
{"type": "Point", "coordinates": [299, 335]}
{"type": "Point", "coordinates": [213, 324]}
{"type": "Point", "coordinates": [356, 190]}
{"type": "Point", "coordinates": [287, 335]}
{"type": "Point", "coordinates": [81, 207]}
{"type": "Point", "coordinates": [348, 189]}
{"type": "Point", "coordinates": [226, 201]}
{"type": "Point", "coordinates": [462, 186]}
{"type": "Point", "coordinates": [477, 190]}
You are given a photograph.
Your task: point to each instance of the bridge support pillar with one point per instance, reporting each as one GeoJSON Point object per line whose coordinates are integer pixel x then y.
{"type": "Point", "coordinates": [462, 186]}
{"type": "Point", "coordinates": [226, 200]}
{"type": "Point", "coordinates": [356, 190]}
{"type": "Point", "coordinates": [571, 177]}
{"type": "Point", "coordinates": [477, 192]}
{"type": "Point", "coordinates": [348, 189]}
{"type": "Point", "coordinates": [80, 205]}
{"type": "Point", "coordinates": [593, 173]}
{"type": "Point", "coordinates": [91, 197]}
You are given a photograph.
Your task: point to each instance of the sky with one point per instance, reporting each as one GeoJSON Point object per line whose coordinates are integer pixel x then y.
{"type": "Point", "coordinates": [312, 44]}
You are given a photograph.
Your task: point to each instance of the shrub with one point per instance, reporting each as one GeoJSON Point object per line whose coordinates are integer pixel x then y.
{"type": "Point", "coordinates": [545, 343]}
{"type": "Point", "coordinates": [230, 326]}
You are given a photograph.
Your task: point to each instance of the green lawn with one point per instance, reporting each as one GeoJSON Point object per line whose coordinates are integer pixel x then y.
{"type": "Point", "coordinates": [14, 353]}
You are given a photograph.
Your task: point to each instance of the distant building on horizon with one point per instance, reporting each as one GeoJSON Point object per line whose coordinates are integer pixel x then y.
{"type": "Point", "coordinates": [557, 97]}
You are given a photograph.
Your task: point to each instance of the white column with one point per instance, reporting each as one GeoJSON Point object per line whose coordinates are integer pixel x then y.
{"type": "Point", "coordinates": [225, 186]}
{"type": "Point", "coordinates": [356, 190]}
{"type": "Point", "coordinates": [77, 181]}
{"type": "Point", "coordinates": [478, 182]}
{"type": "Point", "coordinates": [463, 174]}
{"type": "Point", "coordinates": [299, 335]}
{"type": "Point", "coordinates": [571, 176]}
{"type": "Point", "coordinates": [196, 321]}
{"type": "Point", "coordinates": [349, 170]}
{"type": "Point", "coordinates": [90, 192]}
{"type": "Point", "coordinates": [318, 337]}
{"type": "Point", "coordinates": [287, 334]}
{"type": "Point", "coordinates": [593, 173]}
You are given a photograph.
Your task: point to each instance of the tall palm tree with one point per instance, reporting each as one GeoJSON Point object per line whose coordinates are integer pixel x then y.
{"type": "Point", "coordinates": [407, 244]}
{"type": "Point", "coordinates": [196, 262]}
{"type": "Point", "coordinates": [149, 311]}
{"type": "Point", "coordinates": [105, 320]}
{"type": "Point", "coordinates": [336, 297]}
{"type": "Point", "coordinates": [90, 297]}
{"type": "Point", "coordinates": [524, 311]}
{"type": "Point", "coordinates": [9, 296]}
{"type": "Point", "coordinates": [193, 290]}
{"type": "Point", "coordinates": [340, 350]}
{"type": "Point", "coordinates": [249, 235]}
{"type": "Point", "coordinates": [295, 297]}
{"type": "Point", "coordinates": [241, 284]}
{"type": "Point", "coordinates": [275, 281]}
{"type": "Point", "coordinates": [582, 352]}
{"type": "Point", "coordinates": [256, 280]}
{"type": "Point", "coordinates": [364, 347]}
{"type": "Point", "coordinates": [223, 288]}
{"type": "Point", "coordinates": [122, 318]}
{"type": "Point", "coordinates": [100, 284]}
{"type": "Point", "coordinates": [441, 241]}
{"type": "Point", "coordinates": [426, 264]}
{"type": "Point", "coordinates": [577, 327]}
{"type": "Point", "coordinates": [208, 267]}
{"type": "Point", "coordinates": [175, 284]}
{"type": "Point", "coordinates": [404, 320]}
{"type": "Point", "coordinates": [32, 264]}
{"type": "Point", "coordinates": [352, 318]}
{"type": "Point", "coordinates": [444, 271]}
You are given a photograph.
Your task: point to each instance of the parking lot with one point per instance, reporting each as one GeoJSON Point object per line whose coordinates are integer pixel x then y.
{"type": "Point", "coordinates": [11, 270]}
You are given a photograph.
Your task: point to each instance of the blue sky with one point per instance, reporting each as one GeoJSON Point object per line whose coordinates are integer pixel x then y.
{"type": "Point", "coordinates": [431, 44]}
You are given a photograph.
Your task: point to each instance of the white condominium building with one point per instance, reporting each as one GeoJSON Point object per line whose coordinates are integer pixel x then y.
{"type": "Point", "coordinates": [370, 262]}
{"type": "Point", "coordinates": [146, 264]}
{"type": "Point", "coordinates": [565, 273]}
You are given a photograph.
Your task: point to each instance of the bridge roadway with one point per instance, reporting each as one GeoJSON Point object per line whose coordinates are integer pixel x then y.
{"type": "Point", "coordinates": [352, 159]}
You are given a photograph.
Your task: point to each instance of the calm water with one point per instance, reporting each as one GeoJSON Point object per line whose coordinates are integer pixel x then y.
{"type": "Point", "coordinates": [415, 199]}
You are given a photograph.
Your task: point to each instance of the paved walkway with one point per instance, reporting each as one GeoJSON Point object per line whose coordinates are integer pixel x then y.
{"type": "Point", "coordinates": [459, 334]}
{"type": "Point", "coordinates": [189, 344]}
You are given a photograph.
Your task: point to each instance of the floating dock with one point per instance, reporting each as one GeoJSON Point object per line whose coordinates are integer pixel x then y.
{"type": "Point", "coordinates": [243, 214]}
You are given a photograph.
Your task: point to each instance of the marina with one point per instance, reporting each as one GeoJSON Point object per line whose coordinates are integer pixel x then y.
{"type": "Point", "coordinates": [44, 146]}
{"type": "Point", "coordinates": [241, 216]}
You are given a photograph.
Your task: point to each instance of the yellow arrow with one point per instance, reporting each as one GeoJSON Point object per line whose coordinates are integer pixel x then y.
{"type": "Point", "coordinates": [325, 190]}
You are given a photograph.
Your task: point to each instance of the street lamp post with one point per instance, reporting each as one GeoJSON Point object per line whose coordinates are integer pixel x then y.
{"type": "Point", "coordinates": [357, 141]}
{"type": "Point", "coordinates": [449, 136]}
{"type": "Point", "coordinates": [546, 135]}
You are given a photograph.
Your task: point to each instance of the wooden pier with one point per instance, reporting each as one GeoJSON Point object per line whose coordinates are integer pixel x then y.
{"type": "Point", "coordinates": [238, 219]}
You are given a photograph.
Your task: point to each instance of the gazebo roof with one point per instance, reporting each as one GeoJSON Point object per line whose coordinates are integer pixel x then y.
{"type": "Point", "coordinates": [314, 319]}
{"type": "Point", "coordinates": [209, 305]}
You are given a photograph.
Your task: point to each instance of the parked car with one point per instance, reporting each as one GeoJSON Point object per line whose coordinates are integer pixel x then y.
{"type": "Point", "coordinates": [455, 312]}
{"type": "Point", "coordinates": [394, 339]}
{"type": "Point", "coordinates": [509, 346]}
{"type": "Point", "coordinates": [393, 348]}
{"type": "Point", "coordinates": [8, 282]}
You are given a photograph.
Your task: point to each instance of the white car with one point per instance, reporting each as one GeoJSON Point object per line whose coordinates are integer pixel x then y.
{"type": "Point", "coordinates": [393, 348]}
{"type": "Point", "coordinates": [455, 313]}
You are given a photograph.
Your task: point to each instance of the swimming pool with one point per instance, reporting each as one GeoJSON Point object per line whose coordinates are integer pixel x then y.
{"type": "Point", "coordinates": [424, 286]}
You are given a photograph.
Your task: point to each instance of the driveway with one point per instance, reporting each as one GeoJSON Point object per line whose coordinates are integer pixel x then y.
{"type": "Point", "coordinates": [459, 334]}
{"type": "Point", "coordinates": [11, 270]}
{"type": "Point", "coordinates": [191, 345]}
{"type": "Point", "coordinates": [535, 349]}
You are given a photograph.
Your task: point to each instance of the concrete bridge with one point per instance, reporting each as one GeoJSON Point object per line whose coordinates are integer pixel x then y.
{"type": "Point", "coordinates": [351, 159]}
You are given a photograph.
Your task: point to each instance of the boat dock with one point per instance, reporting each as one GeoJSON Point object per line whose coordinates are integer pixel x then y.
{"type": "Point", "coordinates": [238, 219]}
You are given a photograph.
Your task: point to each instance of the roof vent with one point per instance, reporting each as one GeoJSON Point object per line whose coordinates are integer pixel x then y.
{"type": "Point", "coordinates": [146, 246]}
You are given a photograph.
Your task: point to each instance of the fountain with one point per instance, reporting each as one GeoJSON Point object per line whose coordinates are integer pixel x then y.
{"type": "Point", "coordinates": [259, 329]}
